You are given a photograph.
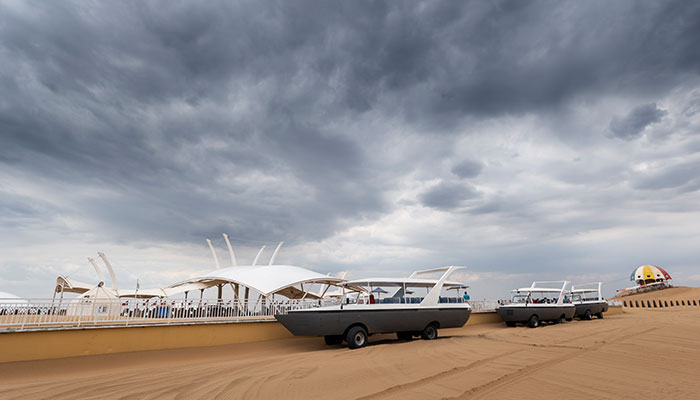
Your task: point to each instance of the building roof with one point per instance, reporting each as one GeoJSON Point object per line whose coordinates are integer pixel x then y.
{"type": "Point", "coordinates": [265, 279]}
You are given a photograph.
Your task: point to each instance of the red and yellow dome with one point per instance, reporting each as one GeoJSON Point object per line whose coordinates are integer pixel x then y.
{"type": "Point", "coordinates": [649, 273]}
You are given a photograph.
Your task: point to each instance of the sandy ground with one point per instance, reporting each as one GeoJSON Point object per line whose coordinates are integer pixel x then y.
{"type": "Point", "coordinates": [641, 354]}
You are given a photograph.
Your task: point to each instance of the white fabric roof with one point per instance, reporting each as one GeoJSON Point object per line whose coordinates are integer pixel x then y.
{"type": "Point", "coordinates": [410, 282]}
{"type": "Point", "coordinates": [265, 279]}
{"type": "Point", "coordinates": [72, 286]}
{"type": "Point", "coordinates": [9, 298]}
{"type": "Point", "coordinates": [5, 295]}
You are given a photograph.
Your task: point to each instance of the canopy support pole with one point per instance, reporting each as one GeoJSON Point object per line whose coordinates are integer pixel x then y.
{"type": "Point", "coordinates": [213, 253]}
{"type": "Point", "coordinates": [274, 255]}
{"type": "Point", "coordinates": [257, 256]}
{"type": "Point", "coordinates": [230, 251]}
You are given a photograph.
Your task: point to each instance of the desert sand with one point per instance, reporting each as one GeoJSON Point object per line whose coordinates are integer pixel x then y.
{"type": "Point", "coordinates": [640, 354]}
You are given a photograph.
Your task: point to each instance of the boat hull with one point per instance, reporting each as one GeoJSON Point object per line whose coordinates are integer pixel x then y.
{"type": "Point", "coordinates": [544, 312]}
{"type": "Point", "coordinates": [337, 322]}
{"type": "Point", "coordinates": [595, 308]}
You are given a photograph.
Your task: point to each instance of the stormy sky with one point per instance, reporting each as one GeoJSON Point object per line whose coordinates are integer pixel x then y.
{"type": "Point", "coordinates": [523, 139]}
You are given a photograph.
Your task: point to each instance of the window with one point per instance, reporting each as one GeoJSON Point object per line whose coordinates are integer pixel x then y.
{"type": "Point", "coordinates": [624, 303]}
{"type": "Point", "coordinates": [654, 303]}
{"type": "Point", "coordinates": [637, 303]}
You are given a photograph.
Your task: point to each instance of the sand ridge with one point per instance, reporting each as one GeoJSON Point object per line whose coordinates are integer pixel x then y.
{"type": "Point", "coordinates": [581, 359]}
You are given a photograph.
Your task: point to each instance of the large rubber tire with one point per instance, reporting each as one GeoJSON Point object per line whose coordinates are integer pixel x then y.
{"type": "Point", "coordinates": [429, 333]}
{"type": "Point", "coordinates": [588, 316]}
{"type": "Point", "coordinates": [404, 335]}
{"type": "Point", "coordinates": [533, 322]}
{"type": "Point", "coordinates": [510, 323]}
{"type": "Point", "coordinates": [332, 340]}
{"type": "Point", "coordinates": [599, 315]}
{"type": "Point", "coordinates": [357, 337]}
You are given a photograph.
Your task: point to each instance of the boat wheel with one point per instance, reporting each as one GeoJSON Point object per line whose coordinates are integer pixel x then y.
{"type": "Point", "coordinates": [429, 333]}
{"type": "Point", "coordinates": [533, 322]}
{"type": "Point", "coordinates": [356, 337]}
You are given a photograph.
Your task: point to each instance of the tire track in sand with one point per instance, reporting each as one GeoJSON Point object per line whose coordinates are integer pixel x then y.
{"type": "Point", "coordinates": [423, 381]}
{"type": "Point", "coordinates": [522, 373]}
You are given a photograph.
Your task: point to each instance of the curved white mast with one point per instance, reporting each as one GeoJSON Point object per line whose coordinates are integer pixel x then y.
{"type": "Point", "coordinates": [216, 259]}
{"type": "Point", "coordinates": [97, 269]}
{"type": "Point", "coordinates": [111, 271]}
{"type": "Point", "coordinates": [258, 256]}
{"type": "Point", "coordinates": [274, 255]}
{"type": "Point", "coordinates": [230, 250]}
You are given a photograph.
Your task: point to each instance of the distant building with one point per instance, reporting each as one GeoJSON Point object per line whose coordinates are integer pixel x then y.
{"type": "Point", "coordinates": [647, 274]}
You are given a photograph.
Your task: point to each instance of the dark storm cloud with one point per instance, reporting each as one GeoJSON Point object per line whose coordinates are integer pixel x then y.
{"type": "Point", "coordinates": [467, 169]}
{"type": "Point", "coordinates": [632, 125]}
{"type": "Point", "coordinates": [201, 117]}
{"type": "Point", "coordinates": [448, 196]}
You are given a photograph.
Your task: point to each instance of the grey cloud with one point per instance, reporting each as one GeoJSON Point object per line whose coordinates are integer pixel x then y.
{"type": "Point", "coordinates": [632, 125]}
{"type": "Point", "coordinates": [447, 196]}
{"type": "Point", "coordinates": [468, 169]}
{"type": "Point", "coordinates": [683, 176]}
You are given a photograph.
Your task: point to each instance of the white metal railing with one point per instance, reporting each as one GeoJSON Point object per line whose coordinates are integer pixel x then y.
{"type": "Point", "coordinates": [39, 314]}
{"type": "Point", "coordinates": [32, 314]}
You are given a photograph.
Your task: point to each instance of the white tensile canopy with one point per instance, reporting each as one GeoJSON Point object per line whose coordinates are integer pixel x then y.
{"type": "Point", "coordinates": [9, 298]}
{"type": "Point", "coordinates": [264, 279]}
{"type": "Point", "coordinates": [69, 285]}
{"type": "Point", "coordinates": [99, 300]}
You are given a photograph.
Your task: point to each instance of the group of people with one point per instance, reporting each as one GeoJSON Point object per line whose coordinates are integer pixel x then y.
{"type": "Point", "coordinates": [547, 300]}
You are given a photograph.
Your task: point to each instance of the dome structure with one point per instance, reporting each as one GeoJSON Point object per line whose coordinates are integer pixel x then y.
{"type": "Point", "coordinates": [646, 274]}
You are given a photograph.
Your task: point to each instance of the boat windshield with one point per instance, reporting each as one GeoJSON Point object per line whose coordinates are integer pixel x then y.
{"type": "Point", "coordinates": [520, 297]}
{"type": "Point", "coordinates": [585, 296]}
{"type": "Point", "coordinates": [537, 297]}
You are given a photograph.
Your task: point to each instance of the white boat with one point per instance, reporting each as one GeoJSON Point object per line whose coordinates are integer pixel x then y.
{"type": "Point", "coordinates": [359, 315]}
{"type": "Point", "coordinates": [537, 303]}
{"type": "Point", "coordinates": [589, 301]}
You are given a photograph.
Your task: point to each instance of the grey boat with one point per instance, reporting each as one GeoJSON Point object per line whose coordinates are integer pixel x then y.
{"type": "Point", "coordinates": [538, 303]}
{"type": "Point", "coordinates": [589, 301]}
{"type": "Point", "coordinates": [358, 315]}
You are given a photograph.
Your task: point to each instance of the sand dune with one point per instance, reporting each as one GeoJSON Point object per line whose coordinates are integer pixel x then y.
{"type": "Point", "coordinates": [636, 355]}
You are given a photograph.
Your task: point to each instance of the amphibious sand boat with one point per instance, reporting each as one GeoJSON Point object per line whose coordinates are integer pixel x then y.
{"type": "Point", "coordinates": [538, 303]}
{"type": "Point", "coordinates": [360, 315]}
{"type": "Point", "coordinates": [589, 301]}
